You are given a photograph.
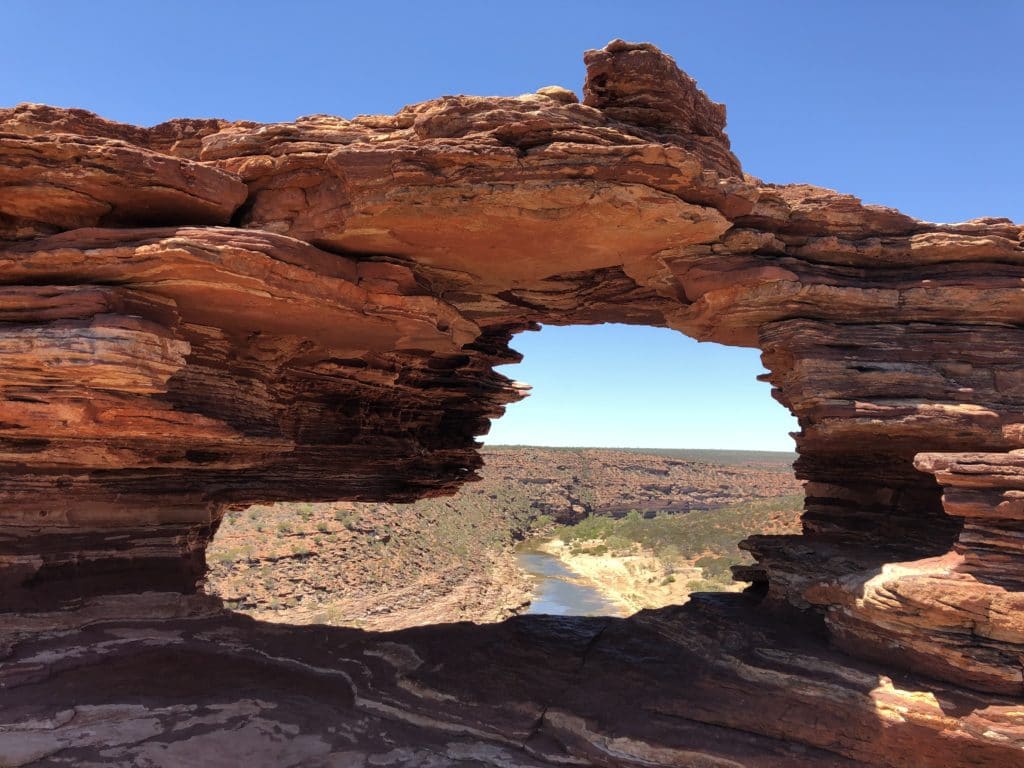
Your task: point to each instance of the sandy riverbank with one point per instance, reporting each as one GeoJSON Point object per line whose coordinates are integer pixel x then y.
{"type": "Point", "coordinates": [635, 579]}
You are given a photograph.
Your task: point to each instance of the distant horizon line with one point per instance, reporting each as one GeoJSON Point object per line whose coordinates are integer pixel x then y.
{"type": "Point", "coordinates": [633, 448]}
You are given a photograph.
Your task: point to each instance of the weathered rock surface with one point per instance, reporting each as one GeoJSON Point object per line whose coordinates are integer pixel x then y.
{"type": "Point", "coordinates": [714, 683]}
{"type": "Point", "coordinates": [204, 314]}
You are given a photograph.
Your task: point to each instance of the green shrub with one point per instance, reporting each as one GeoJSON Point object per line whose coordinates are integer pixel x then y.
{"type": "Point", "coordinates": [587, 529]}
{"type": "Point", "coordinates": [716, 567]}
{"type": "Point", "coordinates": [540, 522]}
{"type": "Point", "coordinates": [226, 556]}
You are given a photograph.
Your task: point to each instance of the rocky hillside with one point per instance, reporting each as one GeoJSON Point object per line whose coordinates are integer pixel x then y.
{"type": "Point", "coordinates": [385, 566]}
{"type": "Point", "coordinates": [567, 484]}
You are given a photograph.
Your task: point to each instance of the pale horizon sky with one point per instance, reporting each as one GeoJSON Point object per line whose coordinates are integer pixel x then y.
{"type": "Point", "coordinates": [621, 386]}
{"type": "Point", "coordinates": [916, 105]}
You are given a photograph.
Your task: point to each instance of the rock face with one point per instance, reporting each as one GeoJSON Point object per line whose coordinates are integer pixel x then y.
{"type": "Point", "coordinates": [204, 314]}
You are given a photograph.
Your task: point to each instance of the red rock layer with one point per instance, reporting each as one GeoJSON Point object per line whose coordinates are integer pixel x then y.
{"type": "Point", "coordinates": [207, 313]}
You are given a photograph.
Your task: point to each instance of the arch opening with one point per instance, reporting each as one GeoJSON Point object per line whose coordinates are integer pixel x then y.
{"type": "Point", "coordinates": [638, 514]}
{"type": "Point", "coordinates": [584, 503]}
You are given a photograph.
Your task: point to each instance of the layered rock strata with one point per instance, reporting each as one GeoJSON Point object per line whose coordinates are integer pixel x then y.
{"type": "Point", "coordinates": [204, 314]}
{"type": "Point", "coordinates": [717, 683]}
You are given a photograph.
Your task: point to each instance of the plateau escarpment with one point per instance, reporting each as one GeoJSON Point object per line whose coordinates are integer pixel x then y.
{"type": "Point", "coordinates": [207, 314]}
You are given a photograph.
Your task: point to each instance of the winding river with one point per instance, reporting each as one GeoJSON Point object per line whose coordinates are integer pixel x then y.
{"type": "Point", "coordinates": [558, 590]}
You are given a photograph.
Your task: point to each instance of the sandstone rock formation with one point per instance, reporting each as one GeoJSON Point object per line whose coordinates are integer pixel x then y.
{"type": "Point", "coordinates": [204, 314]}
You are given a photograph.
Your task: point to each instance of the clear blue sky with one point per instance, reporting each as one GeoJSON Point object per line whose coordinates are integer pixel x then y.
{"type": "Point", "coordinates": [917, 105]}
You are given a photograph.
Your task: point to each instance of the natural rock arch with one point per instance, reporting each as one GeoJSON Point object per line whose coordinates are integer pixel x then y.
{"type": "Point", "coordinates": [205, 313]}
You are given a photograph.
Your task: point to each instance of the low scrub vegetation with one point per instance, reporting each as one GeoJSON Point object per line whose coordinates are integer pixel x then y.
{"type": "Point", "coordinates": [324, 561]}
{"type": "Point", "coordinates": [707, 539]}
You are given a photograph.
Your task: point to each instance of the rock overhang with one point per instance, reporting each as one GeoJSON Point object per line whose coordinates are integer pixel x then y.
{"type": "Point", "coordinates": [207, 313]}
